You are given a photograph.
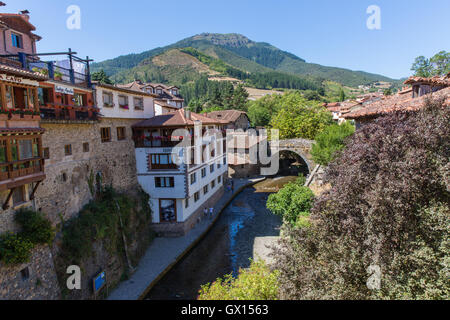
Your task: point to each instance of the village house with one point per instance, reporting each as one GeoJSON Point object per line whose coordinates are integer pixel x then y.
{"type": "Point", "coordinates": [16, 35]}
{"type": "Point", "coordinates": [241, 143]}
{"type": "Point", "coordinates": [167, 98]}
{"type": "Point", "coordinates": [406, 100]}
{"type": "Point", "coordinates": [340, 109]}
{"type": "Point", "coordinates": [181, 186]}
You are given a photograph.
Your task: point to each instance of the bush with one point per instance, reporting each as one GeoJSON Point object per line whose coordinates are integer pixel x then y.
{"type": "Point", "coordinates": [330, 141]}
{"type": "Point", "coordinates": [36, 228]}
{"type": "Point", "coordinates": [292, 202]}
{"type": "Point", "coordinates": [388, 207]}
{"type": "Point", "coordinates": [15, 249]}
{"type": "Point", "coordinates": [255, 283]}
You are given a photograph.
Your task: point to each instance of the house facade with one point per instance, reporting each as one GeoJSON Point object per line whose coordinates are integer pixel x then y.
{"type": "Point", "coordinates": [167, 98]}
{"type": "Point", "coordinates": [182, 180]}
{"type": "Point", "coordinates": [241, 143]}
{"type": "Point", "coordinates": [16, 34]}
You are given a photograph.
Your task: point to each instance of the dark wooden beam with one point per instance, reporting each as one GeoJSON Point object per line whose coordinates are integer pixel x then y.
{"type": "Point", "coordinates": [34, 190]}
{"type": "Point", "coordinates": [6, 204]}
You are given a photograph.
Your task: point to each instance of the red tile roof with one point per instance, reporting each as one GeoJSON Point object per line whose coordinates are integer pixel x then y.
{"type": "Point", "coordinates": [228, 115]}
{"type": "Point", "coordinates": [177, 119]}
{"type": "Point", "coordinates": [436, 81]}
{"type": "Point", "coordinates": [399, 102]}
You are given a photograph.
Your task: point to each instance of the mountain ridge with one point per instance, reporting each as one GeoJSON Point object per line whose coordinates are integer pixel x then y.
{"type": "Point", "coordinates": [240, 52]}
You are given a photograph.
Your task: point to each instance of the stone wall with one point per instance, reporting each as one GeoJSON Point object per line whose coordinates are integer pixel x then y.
{"type": "Point", "coordinates": [66, 189]}
{"type": "Point", "coordinates": [35, 280]}
{"type": "Point", "coordinates": [64, 193]}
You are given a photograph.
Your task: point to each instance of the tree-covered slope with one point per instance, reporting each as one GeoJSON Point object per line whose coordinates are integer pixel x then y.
{"type": "Point", "coordinates": [245, 54]}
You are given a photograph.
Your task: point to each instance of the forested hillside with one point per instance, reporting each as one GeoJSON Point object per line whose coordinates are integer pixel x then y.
{"type": "Point", "coordinates": [239, 52]}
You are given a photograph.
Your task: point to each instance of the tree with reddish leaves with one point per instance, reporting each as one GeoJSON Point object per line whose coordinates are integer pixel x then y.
{"type": "Point", "coordinates": [387, 210]}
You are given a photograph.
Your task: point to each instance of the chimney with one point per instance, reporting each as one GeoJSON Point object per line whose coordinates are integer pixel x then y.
{"type": "Point", "coordinates": [187, 114]}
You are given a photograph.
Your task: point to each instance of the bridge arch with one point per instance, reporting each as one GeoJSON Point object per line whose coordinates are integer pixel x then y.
{"type": "Point", "coordinates": [301, 148]}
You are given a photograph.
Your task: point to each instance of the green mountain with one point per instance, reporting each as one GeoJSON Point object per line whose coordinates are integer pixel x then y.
{"type": "Point", "coordinates": [236, 51]}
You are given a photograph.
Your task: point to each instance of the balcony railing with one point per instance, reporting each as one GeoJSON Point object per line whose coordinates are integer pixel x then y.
{"type": "Point", "coordinates": [68, 113]}
{"type": "Point", "coordinates": [18, 169]}
{"type": "Point", "coordinates": [32, 62]}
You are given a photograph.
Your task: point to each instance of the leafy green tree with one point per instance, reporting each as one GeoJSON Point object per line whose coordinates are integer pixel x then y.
{"type": "Point", "coordinates": [293, 203]}
{"type": "Point", "coordinates": [330, 141]}
{"type": "Point", "coordinates": [300, 118]}
{"type": "Point", "coordinates": [262, 110]}
{"type": "Point", "coordinates": [101, 77]}
{"type": "Point", "coordinates": [438, 65]}
{"type": "Point", "coordinates": [256, 283]}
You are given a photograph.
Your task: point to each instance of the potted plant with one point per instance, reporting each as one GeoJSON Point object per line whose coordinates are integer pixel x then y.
{"type": "Point", "coordinates": [57, 75]}
{"type": "Point", "coordinates": [125, 107]}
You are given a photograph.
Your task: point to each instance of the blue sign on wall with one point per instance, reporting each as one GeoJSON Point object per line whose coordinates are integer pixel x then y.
{"type": "Point", "coordinates": [99, 281]}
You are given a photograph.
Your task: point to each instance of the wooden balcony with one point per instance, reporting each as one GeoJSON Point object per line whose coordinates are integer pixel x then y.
{"type": "Point", "coordinates": [14, 174]}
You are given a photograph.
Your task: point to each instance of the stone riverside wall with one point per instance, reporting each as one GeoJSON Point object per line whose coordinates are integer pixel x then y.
{"type": "Point", "coordinates": [66, 189]}
{"type": "Point", "coordinates": [64, 193]}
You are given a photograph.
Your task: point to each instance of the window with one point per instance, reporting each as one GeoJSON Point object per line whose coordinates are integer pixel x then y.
{"type": "Point", "coordinates": [108, 99]}
{"type": "Point", "coordinates": [213, 184]}
{"type": "Point", "coordinates": [193, 178]}
{"type": "Point", "coordinates": [3, 154]}
{"type": "Point", "coordinates": [80, 99]}
{"type": "Point", "coordinates": [164, 182]}
{"type": "Point", "coordinates": [106, 134]}
{"type": "Point", "coordinates": [203, 172]}
{"type": "Point", "coordinates": [139, 103]}
{"type": "Point", "coordinates": [16, 40]}
{"type": "Point", "coordinates": [19, 196]}
{"type": "Point", "coordinates": [68, 150]}
{"type": "Point", "coordinates": [167, 210]}
{"type": "Point", "coordinates": [162, 161]}
{"type": "Point", "coordinates": [64, 177]}
{"type": "Point", "coordinates": [121, 133]}
{"type": "Point", "coordinates": [205, 189]}
{"type": "Point", "coordinates": [25, 274]}
{"type": "Point", "coordinates": [9, 97]}
{"type": "Point", "coordinates": [86, 147]}
{"type": "Point", "coordinates": [224, 160]}
{"type": "Point", "coordinates": [186, 203]}
{"type": "Point", "coordinates": [196, 196]}
{"type": "Point", "coordinates": [219, 166]}
{"type": "Point", "coordinates": [219, 180]}
{"type": "Point", "coordinates": [123, 102]}
{"type": "Point", "coordinates": [211, 168]}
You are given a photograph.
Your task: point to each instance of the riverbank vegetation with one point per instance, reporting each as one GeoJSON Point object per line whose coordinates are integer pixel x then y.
{"type": "Point", "coordinates": [111, 232]}
{"type": "Point", "coordinates": [330, 141]}
{"type": "Point", "coordinates": [293, 203]}
{"type": "Point", "coordinates": [256, 283]}
{"type": "Point", "coordinates": [384, 224]}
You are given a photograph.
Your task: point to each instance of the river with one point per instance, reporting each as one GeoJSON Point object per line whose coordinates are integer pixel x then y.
{"type": "Point", "coordinates": [227, 247]}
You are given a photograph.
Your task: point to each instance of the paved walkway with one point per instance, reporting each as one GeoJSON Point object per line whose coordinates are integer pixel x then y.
{"type": "Point", "coordinates": [164, 253]}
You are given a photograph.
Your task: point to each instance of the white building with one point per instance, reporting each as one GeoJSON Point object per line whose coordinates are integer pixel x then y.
{"type": "Point", "coordinates": [121, 103]}
{"type": "Point", "coordinates": [180, 187]}
{"type": "Point", "coordinates": [167, 98]}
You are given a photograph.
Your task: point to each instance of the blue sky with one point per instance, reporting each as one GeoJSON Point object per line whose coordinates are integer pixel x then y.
{"type": "Point", "coordinates": [328, 32]}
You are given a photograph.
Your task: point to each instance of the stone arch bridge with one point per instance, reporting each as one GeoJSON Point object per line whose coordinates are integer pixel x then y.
{"type": "Point", "coordinates": [300, 147]}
